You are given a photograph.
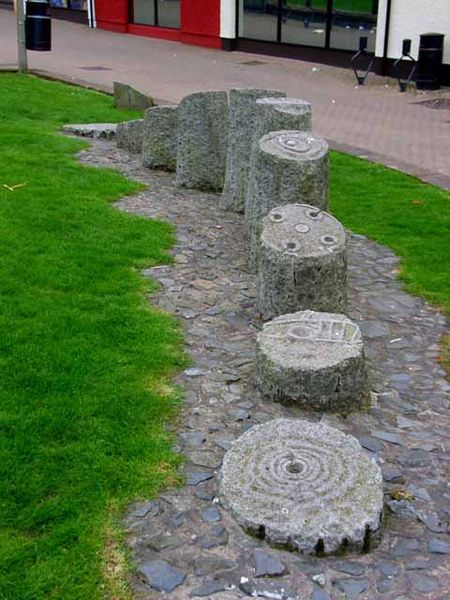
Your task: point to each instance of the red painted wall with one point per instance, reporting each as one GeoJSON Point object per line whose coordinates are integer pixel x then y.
{"type": "Point", "coordinates": [200, 17]}
{"type": "Point", "coordinates": [200, 22]}
{"type": "Point", "coordinates": [112, 14]}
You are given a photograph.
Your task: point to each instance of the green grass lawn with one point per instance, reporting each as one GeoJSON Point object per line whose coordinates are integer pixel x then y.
{"type": "Point", "coordinates": [85, 363]}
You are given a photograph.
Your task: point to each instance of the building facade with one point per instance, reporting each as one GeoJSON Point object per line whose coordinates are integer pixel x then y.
{"type": "Point", "coordinates": [321, 30]}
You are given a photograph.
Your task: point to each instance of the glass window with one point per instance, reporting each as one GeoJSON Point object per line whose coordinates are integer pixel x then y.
{"type": "Point", "coordinates": [258, 19]}
{"type": "Point", "coordinates": [169, 13]}
{"type": "Point", "coordinates": [304, 22]}
{"type": "Point", "coordinates": [144, 12]}
{"type": "Point", "coordinates": [352, 19]}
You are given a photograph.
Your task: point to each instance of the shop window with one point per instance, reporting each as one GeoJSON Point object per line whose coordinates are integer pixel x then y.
{"type": "Point", "coordinates": [352, 19]}
{"type": "Point", "coordinates": [73, 4]}
{"type": "Point", "coordinates": [162, 13]}
{"type": "Point", "coordinates": [338, 24]}
{"type": "Point", "coordinates": [304, 22]}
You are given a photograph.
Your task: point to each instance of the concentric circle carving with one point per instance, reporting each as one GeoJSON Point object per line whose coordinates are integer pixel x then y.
{"type": "Point", "coordinates": [304, 485]}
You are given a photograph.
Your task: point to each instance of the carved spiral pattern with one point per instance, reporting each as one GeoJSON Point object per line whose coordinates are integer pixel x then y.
{"type": "Point", "coordinates": [292, 477]}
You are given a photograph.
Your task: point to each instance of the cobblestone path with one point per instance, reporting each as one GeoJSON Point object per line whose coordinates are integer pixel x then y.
{"type": "Point", "coordinates": [184, 538]}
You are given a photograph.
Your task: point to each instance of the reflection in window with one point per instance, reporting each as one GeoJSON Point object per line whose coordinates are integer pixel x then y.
{"type": "Point", "coordinates": [169, 13]}
{"type": "Point", "coordinates": [352, 19]}
{"type": "Point", "coordinates": [144, 12]}
{"type": "Point", "coordinates": [304, 22]}
{"type": "Point", "coordinates": [258, 19]}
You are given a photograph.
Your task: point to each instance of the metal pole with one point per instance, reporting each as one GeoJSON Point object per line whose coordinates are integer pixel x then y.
{"type": "Point", "coordinates": [21, 46]}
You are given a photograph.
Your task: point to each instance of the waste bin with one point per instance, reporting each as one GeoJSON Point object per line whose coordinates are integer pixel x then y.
{"type": "Point", "coordinates": [429, 64]}
{"type": "Point", "coordinates": [38, 26]}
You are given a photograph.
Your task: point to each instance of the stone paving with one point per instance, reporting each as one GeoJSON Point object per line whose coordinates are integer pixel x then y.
{"type": "Point", "coordinates": [185, 543]}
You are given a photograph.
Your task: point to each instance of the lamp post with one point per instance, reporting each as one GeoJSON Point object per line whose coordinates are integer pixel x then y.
{"type": "Point", "coordinates": [21, 47]}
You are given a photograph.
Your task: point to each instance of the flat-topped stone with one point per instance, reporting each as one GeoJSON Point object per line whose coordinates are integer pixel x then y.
{"type": "Point", "coordinates": [159, 140]}
{"type": "Point", "coordinates": [93, 130]}
{"type": "Point", "coordinates": [306, 486]}
{"type": "Point", "coordinates": [129, 135]}
{"type": "Point", "coordinates": [240, 136]}
{"type": "Point", "coordinates": [314, 359]}
{"type": "Point", "coordinates": [301, 261]}
{"type": "Point", "coordinates": [288, 167]}
{"type": "Point", "coordinates": [274, 114]}
{"type": "Point", "coordinates": [202, 140]}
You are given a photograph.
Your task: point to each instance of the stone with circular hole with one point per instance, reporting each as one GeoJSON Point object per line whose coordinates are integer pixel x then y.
{"type": "Point", "coordinates": [287, 167]}
{"type": "Point", "coordinates": [305, 486]}
{"type": "Point", "coordinates": [313, 359]}
{"type": "Point", "coordinates": [301, 261]}
{"type": "Point", "coordinates": [159, 143]}
{"type": "Point", "coordinates": [240, 136]}
{"type": "Point", "coordinates": [202, 140]}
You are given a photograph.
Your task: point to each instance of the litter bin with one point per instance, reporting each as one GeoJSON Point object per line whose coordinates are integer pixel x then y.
{"type": "Point", "coordinates": [38, 26]}
{"type": "Point", "coordinates": [429, 64]}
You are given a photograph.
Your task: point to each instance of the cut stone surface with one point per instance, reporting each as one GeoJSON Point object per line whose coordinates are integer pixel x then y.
{"type": "Point", "coordinates": [159, 143]}
{"type": "Point", "coordinates": [303, 485]}
{"type": "Point", "coordinates": [126, 96]}
{"type": "Point", "coordinates": [161, 575]}
{"type": "Point", "coordinates": [313, 359]}
{"type": "Point", "coordinates": [240, 136]}
{"type": "Point", "coordinates": [287, 167]}
{"type": "Point", "coordinates": [202, 140]}
{"type": "Point", "coordinates": [274, 114]}
{"type": "Point", "coordinates": [97, 131]}
{"type": "Point", "coordinates": [302, 262]}
{"type": "Point", "coordinates": [129, 135]}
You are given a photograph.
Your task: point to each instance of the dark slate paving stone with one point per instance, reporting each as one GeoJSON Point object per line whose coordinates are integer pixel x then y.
{"type": "Point", "coordinates": [210, 514]}
{"type": "Point", "coordinates": [414, 458]}
{"type": "Point", "coordinates": [193, 438]}
{"type": "Point", "coordinates": [388, 569]}
{"type": "Point", "coordinates": [319, 594]}
{"type": "Point", "coordinates": [370, 443]}
{"type": "Point", "coordinates": [351, 568]}
{"type": "Point", "coordinates": [422, 583]}
{"type": "Point", "coordinates": [145, 509]}
{"type": "Point", "coordinates": [162, 541]}
{"type": "Point", "coordinates": [391, 474]}
{"type": "Point", "coordinates": [419, 565]}
{"type": "Point", "coordinates": [267, 564]}
{"type": "Point", "coordinates": [161, 575]}
{"type": "Point", "coordinates": [207, 589]}
{"type": "Point", "coordinates": [217, 536]}
{"type": "Point", "coordinates": [352, 588]}
{"type": "Point", "coordinates": [405, 546]}
{"type": "Point", "coordinates": [436, 546]}
{"type": "Point", "coordinates": [207, 565]}
{"type": "Point", "coordinates": [385, 585]}
{"type": "Point", "coordinates": [386, 436]}
{"type": "Point", "coordinates": [432, 522]}
{"type": "Point", "coordinates": [196, 476]}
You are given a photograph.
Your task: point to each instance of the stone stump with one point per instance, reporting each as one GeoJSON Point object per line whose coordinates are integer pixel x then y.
{"type": "Point", "coordinates": [274, 114]}
{"type": "Point", "coordinates": [305, 486]}
{"type": "Point", "coordinates": [240, 136]}
{"type": "Point", "coordinates": [159, 144]}
{"type": "Point", "coordinates": [302, 262]}
{"type": "Point", "coordinates": [202, 141]}
{"type": "Point", "coordinates": [313, 359]}
{"type": "Point", "coordinates": [288, 167]}
{"type": "Point", "coordinates": [129, 135]}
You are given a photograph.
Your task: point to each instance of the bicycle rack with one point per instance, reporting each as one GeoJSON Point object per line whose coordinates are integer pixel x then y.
{"type": "Point", "coordinates": [361, 79]}
{"type": "Point", "coordinates": [406, 49]}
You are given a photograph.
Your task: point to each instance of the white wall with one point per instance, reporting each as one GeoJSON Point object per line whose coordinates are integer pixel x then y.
{"type": "Point", "coordinates": [410, 18]}
{"type": "Point", "coordinates": [228, 19]}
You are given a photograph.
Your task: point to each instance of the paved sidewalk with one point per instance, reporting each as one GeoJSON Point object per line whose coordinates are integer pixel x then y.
{"type": "Point", "coordinates": [374, 121]}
